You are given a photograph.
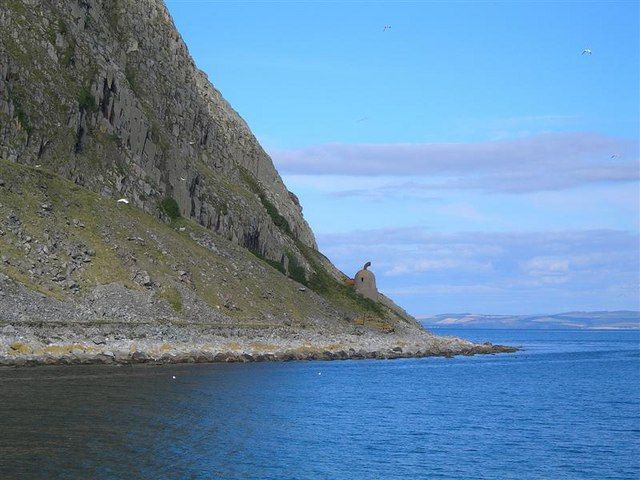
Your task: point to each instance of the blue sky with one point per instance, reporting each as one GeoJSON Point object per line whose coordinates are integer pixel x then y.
{"type": "Point", "coordinates": [471, 152]}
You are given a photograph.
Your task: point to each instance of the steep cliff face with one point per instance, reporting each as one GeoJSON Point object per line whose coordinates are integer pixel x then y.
{"type": "Point", "coordinates": [104, 93]}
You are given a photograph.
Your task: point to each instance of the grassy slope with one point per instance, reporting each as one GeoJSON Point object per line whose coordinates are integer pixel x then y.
{"type": "Point", "coordinates": [261, 293]}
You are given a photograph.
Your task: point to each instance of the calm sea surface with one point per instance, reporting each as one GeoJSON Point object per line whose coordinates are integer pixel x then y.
{"type": "Point", "coordinates": [568, 407]}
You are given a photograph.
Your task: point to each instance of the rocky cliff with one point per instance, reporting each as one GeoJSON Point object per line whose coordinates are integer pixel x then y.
{"type": "Point", "coordinates": [105, 94]}
{"type": "Point", "coordinates": [100, 100]}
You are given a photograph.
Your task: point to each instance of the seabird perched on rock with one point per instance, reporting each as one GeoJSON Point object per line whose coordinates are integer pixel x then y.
{"type": "Point", "coordinates": [123, 200]}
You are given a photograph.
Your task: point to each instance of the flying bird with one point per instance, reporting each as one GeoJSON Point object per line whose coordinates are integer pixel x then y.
{"type": "Point", "coordinates": [386, 27]}
{"type": "Point", "coordinates": [192, 143]}
{"type": "Point", "coordinates": [183, 179]}
{"type": "Point", "coordinates": [586, 51]}
{"type": "Point", "coordinates": [614, 156]}
{"type": "Point", "coordinates": [362, 119]}
{"type": "Point", "coordinates": [123, 200]}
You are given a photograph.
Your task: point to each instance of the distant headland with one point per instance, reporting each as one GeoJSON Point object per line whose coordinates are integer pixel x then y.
{"type": "Point", "coordinates": [602, 320]}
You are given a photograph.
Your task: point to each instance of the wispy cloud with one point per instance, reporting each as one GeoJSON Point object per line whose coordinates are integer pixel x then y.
{"type": "Point", "coordinates": [548, 270]}
{"type": "Point", "coordinates": [384, 192]}
{"type": "Point", "coordinates": [422, 265]}
{"type": "Point", "coordinates": [541, 162]}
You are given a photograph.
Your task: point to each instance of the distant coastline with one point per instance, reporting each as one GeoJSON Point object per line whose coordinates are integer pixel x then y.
{"type": "Point", "coordinates": [602, 320]}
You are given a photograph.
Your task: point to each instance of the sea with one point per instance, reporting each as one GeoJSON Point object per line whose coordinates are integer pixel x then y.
{"type": "Point", "coordinates": [565, 407]}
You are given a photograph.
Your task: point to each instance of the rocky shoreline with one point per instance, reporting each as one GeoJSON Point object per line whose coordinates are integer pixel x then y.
{"type": "Point", "coordinates": [16, 351]}
{"type": "Point", "coordinates": [114, 325]}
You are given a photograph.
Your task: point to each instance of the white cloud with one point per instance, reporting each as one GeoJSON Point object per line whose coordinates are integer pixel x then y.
{"type": "Point", "coordinates": [547, 267]}
{"type": "Point", "coordinates": [442, 264]}
{"type": "Point", "coordinates": [452, 290]}
{"type": "Point", "coordinates": [542, 162]}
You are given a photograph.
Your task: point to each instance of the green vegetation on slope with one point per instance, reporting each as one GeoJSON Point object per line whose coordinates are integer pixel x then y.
{"type": "Point", "coordinates": [271, 209]}
{"type": "Point", "coordinates": [86, 100]}
{"type": "Point", "coordinates": [326, 285]}
{"type": "Point", "coordinates": [124, 241]}
{"type": "Point", "coordinates": [169, 206]}
{"type": "Point", "coordinates": [172, 296]}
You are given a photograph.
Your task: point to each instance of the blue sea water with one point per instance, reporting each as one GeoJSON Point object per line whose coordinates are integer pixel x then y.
{"type": "Point", "coordinates": [567, 407]}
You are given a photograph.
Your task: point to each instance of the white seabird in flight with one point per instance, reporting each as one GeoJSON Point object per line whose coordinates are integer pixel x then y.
{"type": "Point", "coordinates": [586, 51]}
{"type": "Point", "coordinates": [386, 27]}
{"type": "Point", "coordinates": [123, 200]}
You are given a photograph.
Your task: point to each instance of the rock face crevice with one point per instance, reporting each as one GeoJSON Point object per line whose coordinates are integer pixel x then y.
{"type": "Point", "coordinates": [105, 93]}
